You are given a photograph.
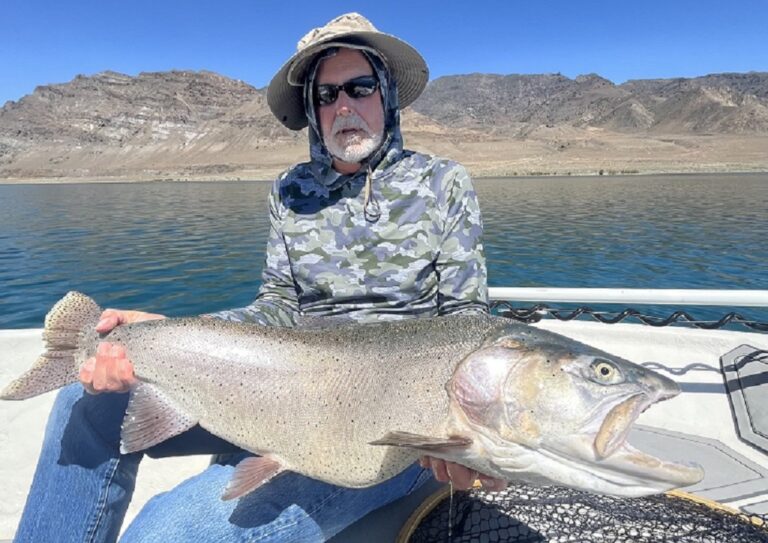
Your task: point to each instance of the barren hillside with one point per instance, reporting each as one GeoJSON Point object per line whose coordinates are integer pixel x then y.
{"type": "Point", "coordinates": [203, 125]}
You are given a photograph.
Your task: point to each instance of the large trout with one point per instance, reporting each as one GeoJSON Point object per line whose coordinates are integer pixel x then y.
{"type": "Point", "coordinates": [355, 404]}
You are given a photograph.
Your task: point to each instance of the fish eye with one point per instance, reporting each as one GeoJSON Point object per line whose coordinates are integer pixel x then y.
{"type": "Point", "coordinates": [606, 372]}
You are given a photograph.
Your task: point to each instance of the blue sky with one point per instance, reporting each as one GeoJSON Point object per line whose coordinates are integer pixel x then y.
{"type": "Point", "coordinates": [47, 41]}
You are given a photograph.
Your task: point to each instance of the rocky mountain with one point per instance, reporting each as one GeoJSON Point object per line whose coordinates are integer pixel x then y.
{"type": "Point", "coordinates": [187, 124]}
{"type": "Point", "coordinates": [115, 122]}
{"type": "Point", "coordinates": [517, 104]}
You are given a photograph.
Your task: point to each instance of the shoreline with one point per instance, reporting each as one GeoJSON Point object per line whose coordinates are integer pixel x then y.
{"type": "Point", "coordinates": [491, 174]}
{"type": "Point", "coordinates": [563, 151]}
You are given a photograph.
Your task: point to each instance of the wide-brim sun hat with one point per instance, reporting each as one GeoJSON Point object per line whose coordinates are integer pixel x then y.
{"type": "Point", "coordinates": [285, 94]}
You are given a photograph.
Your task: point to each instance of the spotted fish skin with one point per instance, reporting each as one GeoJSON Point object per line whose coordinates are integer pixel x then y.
{"type": "Point", "coordinates": [355, 404]}
{"type": "Point", "coordinates": [316, 397]}
{"type": "Point", "coordinates": [313, 397]}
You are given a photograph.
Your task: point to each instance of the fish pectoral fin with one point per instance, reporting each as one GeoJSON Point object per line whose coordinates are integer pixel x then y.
{"type": "Point", "coordinates": [424, 443]}
{"type": "Point", "coordinates": [151, 417]}
{"type": "Point", "coordinates": [250, 474]}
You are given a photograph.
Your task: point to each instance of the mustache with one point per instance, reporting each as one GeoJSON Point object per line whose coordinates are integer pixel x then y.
{"type": "Point", "coordinates": [353, 121]}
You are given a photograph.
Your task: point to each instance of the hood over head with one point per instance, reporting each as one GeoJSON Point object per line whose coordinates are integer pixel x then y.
{"type": "Point", "coordinates": [391, 145]}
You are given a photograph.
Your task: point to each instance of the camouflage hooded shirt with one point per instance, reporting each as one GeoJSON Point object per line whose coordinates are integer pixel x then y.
{"type": "Point", "coordinates": [412, 248]}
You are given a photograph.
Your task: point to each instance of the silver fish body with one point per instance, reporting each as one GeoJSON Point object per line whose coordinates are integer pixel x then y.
{"type": "Point", "coordinates": [354, 405]}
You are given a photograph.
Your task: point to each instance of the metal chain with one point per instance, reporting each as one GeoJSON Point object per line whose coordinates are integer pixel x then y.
{"type": "Point", "coordinates": [537, 312]}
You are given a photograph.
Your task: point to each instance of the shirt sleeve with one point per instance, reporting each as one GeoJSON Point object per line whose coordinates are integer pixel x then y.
{"type": "Point", "coordinates": [460, 264]}
{"type": "Point", "coordinates": [277, 301]}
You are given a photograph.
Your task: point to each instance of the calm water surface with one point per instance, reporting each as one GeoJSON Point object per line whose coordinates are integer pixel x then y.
{"type": "Point", "coordinates": [189, 248]}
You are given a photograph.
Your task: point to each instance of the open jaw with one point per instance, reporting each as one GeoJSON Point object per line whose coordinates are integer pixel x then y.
{"type": "Point", "coordinates": [646, 466]}
{"type": "Point", "coordinates": [599, 460]}
{"type": "Point", "coordinates": [613, 452]}
{"type": "Point", "coordinates": [570, 460]}
{"type": "Point", "coordinates": [617, 423]}
{"type": "Point", "coordinates": [627, 472]}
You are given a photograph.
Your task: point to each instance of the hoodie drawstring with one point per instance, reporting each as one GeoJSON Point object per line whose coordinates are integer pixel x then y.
{"type": "Point", "coordinates": [371, 209]}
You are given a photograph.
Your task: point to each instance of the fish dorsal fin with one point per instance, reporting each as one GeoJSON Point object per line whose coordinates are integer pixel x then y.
{"type": "Point", "coordinates": [424, 443]}
{"type": "Point", "coordinates": [250, 474]}
{"type": "Point", "coordinates": [151, 417]}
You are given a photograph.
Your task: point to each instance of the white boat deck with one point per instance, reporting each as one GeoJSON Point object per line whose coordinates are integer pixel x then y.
{"type": "Point", "coordinates": [21, 434]}
{"type": "Point", "coordinates": [698, 425]}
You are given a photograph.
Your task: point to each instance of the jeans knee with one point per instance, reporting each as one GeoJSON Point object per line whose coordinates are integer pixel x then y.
{"type": "Point", "coordinates": [79, 419]}
{"type": "Point", "coordinates": [68, 395]}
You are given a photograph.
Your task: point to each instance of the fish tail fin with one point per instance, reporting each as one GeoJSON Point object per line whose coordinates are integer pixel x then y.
{"type": "Point", "coordinates": [66, 326]}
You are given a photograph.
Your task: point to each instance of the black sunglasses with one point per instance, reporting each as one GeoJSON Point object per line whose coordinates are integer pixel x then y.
{"type": "Point", "coordinates": [359, 87]}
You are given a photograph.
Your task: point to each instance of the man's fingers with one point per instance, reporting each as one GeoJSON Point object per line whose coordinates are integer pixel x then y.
{"type": "Point", "coordinates": [117, 351]}
{"type": "Point", "coordinates": [113, 381]}
{"type": "Point", "coordinates": [125, 371]}
{"type": "Point", "coordinates": [121, 371]}
{"type": "Point", "coordinates": [462, 477]}
{"type": "Point", "coordinates": [99, 379]}
{"type": "Point", "coordinates": [88, 366]}
{"type": "Point", "coordinates": [444, 471]}
{"type": "Point", "coordinates": [439, 469]}
{"type": "Point", "coordinates": [492, 484]}
{"type": "Point", "coordinates": [109, 371]}
{"type": "Point", "coordinates": [86, 374]}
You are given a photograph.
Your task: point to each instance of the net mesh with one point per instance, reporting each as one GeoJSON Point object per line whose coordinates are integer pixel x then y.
{"type": "Point", "coordinates": [530, 514]}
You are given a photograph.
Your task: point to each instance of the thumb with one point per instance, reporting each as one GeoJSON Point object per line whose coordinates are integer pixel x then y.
{"type": "Point", "coordinates": [109, 320]}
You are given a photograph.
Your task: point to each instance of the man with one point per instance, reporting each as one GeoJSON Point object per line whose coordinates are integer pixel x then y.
{"type": "Point", "coordinates": [364, 229]}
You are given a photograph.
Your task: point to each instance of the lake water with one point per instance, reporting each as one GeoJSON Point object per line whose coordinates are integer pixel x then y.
{"type": "Point", "coordinates": [189, 248]}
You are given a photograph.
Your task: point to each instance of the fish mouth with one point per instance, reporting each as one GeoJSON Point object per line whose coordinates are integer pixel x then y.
{"type": "Point", "coordinates": [628, 473]}
{"type": "Point", "coordinates": [650, 468]}
{"type": "Point", "coordinates": [613, 432]}
{"type": "Point", "coordinates": [612, 449]}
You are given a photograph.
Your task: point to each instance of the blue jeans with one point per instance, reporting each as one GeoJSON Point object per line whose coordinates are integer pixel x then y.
{"type": "Point", "coordinates": [82, 487]}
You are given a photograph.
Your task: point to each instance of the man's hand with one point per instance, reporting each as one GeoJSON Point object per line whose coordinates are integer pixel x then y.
{"type": "Point", "coordinates": [461, 476]}
{"type": "Point", "coordinates": [110, 370]}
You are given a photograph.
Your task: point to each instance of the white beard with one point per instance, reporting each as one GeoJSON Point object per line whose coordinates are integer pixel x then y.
{"type": "Point", "coordinates": [352, 147]}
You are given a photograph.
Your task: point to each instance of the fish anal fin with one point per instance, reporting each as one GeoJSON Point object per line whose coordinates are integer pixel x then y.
{"type": "Point", "coordinates": [151, 417]}
{"type": "Point", "coordinates": [420, 442]}
{"type": "Point", "coordinates": [250, 474]}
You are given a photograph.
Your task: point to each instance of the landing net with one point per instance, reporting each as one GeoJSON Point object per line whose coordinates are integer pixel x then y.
{"type": "Point", "coordinates": [529, 514]}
